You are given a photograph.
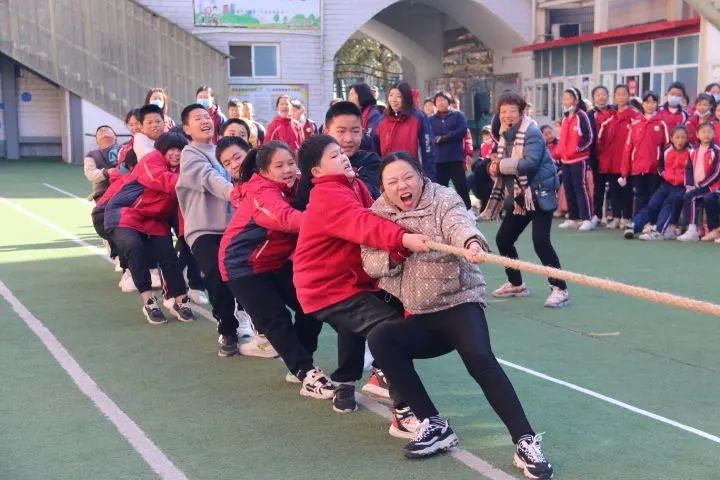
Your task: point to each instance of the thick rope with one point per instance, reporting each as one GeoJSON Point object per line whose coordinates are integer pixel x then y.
{"type": "Point", "coordinates": [663, 298]}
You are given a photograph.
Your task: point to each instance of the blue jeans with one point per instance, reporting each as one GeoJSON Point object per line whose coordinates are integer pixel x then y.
{"type": "Point", "coordinates": [662, 209]}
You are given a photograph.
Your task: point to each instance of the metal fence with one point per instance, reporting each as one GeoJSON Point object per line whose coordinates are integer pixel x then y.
{"type": "Point", "coordinates": [110, 52]}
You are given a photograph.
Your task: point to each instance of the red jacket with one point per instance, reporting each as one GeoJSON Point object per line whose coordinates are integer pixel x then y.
{"type": "Point", "coordinates": [712, 169]}
{"type": "Point", "coordinates": [612, 137]}
{"type": "Point", "coordinates": [468, 144]}
{"type": "Point", "coordinates": [286, 130]}
{"type": "Point", "coordinates": [672, 119]}
{"type": "Point", "coordinates": [576, 138]}
{"type": "Point", "coordinates": [147, 199]}
{"type": "Point", "coordinates": [672, 165]}
{"type": "Point", "coordinates": [327, 264]}
{"type": "Point", "coordinates": [486, 148]}
{"type": "Point", "coordinates": [647, 138]}
{"type": "Point", "coordinates": [263, 232]}
{"type": "Point", "coordinates": [309, 128]}
{"type": "Point", "coordinates": [410, 132]}
{"type": "Point", "coordinates": [692, 125]}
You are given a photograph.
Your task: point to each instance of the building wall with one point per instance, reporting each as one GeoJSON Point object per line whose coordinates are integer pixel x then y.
{"type": "Point", "coordinates": [92, 117]}
{"type": "Point", "coordinates": [623, 13]}
{"type": "Point", "coordinates": [40, 108]}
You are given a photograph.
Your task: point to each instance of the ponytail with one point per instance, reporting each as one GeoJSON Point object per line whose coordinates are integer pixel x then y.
{"type": "Point", "coordinates": [259, 158]}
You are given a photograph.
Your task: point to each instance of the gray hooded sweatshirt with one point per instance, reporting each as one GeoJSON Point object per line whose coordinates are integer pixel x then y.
{"type": "Point", "coordinates": [203, 193]}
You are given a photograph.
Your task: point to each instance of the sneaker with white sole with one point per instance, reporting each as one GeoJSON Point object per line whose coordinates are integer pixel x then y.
{"type": "Point", "coordinates": [433, 436]}
{"type": "Point", "coordinates": [198, 297]}
{"type": "Point", "coordinates": [182, 311]}
{"type": "Point", "coordinates": [257, 346]}
{"type": "Point", "coordinates": [155, 279]}
{"type": "Point", "coordinates": [245, 325]}
{"type": "Point", "coordinates": [711, 236]}
{"type": "Point", "coordinates": [228, 345]}
{"type": "Point", "coordinates": [292, 378]}
{"type": "Point", "coordinates": [153, 313]}
{"type": "Point", "coordinates": [404, 423]}
{"type": "Point", "coordinates": [344, 398]}
{"type": "Point", "coordinates": [717, 240]}
{"type": "Point", "coordinates": [629, 233]}
{"type": "Point", "coordinates": [586, 226]}
{"type": "Point", "coordinates": [558, 298]}
{"type": "Point", "coordinates": [652, 236]}
{"type": "Point", "coordinates": [317, 385]}
{"type": "Point", "coordinates": [670, 233]}
{"type": "Point", "coordinates": [691, 235]}
{"type": "Point", "coordinates": [648, 228]}
{"type": "Point", "coordinates": [595, 221]}
{"type": "Point", "coordinates": [126, 282]}
{"type": "Point", "coordinates": [377, 386]}
{"type": "Point", "coordinates": [530, 458]}
{"type": "Point", "coordinates": [508, 290]}
{"type": "Point", "coordinates": [569, 225]}
{"type": "Point", "coordinates": [116, 262]}
{"type": "Point", "coordinates": [613, 224]}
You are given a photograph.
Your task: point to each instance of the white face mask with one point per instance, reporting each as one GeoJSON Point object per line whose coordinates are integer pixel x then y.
{"type": "Point", "coordinates": [717, 98]}
{"type": "Point", "coordinates": [674, 100]}
{"type": "Point", "coordinates": [703, 115]}
{"type": "Point", "coordinates": [156, 101]}
{"type": "Point", "coordinates": [569, 109]}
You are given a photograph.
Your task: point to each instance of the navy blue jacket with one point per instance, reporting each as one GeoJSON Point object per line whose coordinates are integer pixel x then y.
{"type": "Point", "coordinates": [451, 130]}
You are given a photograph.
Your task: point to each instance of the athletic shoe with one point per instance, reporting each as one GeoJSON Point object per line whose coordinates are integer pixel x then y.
{"type": "Point", "coordinates": [691, 235]}
{"type": "Point", "coordinates": [245, 326]}
{"type": "Point", "coordinates": [648, 228]}
{"type": "Point", "coordinates": [712, 235]}
{"type": "Point", "coordinates": [717, 240]}
{"type": "Point", "coordinates": [569, 225]}
{"type": "Point", "coordinates": [433, 436]}
{"type": "Point", "coordinates": [344, 398]}
{"type": "Point", "coordinates": [670, 233]}
{"type": "Point", "coordinates": [558, 298]}
{"type": "Point", "coordinates": [198, 297]}
{"type": "Point", "coordinates": [652, 236]}
{"type": "Point", "coordinates": [404, 423]}
{"type": "Point", "coordinates": [377, 385]}
{"type": "Point", "coordinates": [613, 224]}
{"type": "Point", "coordinates": [317, 385]}
{"type": "Point", "coordinates": [152, 312]}
{"type": "Point", "coordinates": [624, 223]}
{"type": "Point", "coordinates": [558, 214]}
{"type": "Point", "coordinates": [126, 282]}
{"type": "Point", "coordinates": [155, 281]}
{"type": "Point", "coordinates": [629, 233]}
{"type": "Point", "coordinates": [292, 378]}
{"type": "Point", "coordinates": [595, 222]}
{"type": "Point", "coordinates": [586, 226]}
{"type": "Point", "coordinates": [116, 261]}
{"type": "Point", "coordinates": [529, 458]}
{"type": "Point", "coordinates": [507, 290]}
{"type": "Point", "coordinates": [182, 310]}
{"type": "Point", "coordinates": [228, 345]}
{"type": "Point", "coordinates": [257, 346]}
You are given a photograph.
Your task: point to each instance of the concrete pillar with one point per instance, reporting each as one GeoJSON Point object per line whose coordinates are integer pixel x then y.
{"type": "Point", "coordinates": [709, 55]}
{"type": "Point", "coordinates": [72, 137]}
{"type": "Point", "coordinates": [674, 10]}
{"type": "Point", "coordinates": [8, 73]}
{"type": "Point", "coordinates": [602, 10]}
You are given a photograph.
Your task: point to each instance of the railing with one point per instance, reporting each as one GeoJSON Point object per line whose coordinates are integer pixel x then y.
{"type": "Point", "coordinates": [110, 52]}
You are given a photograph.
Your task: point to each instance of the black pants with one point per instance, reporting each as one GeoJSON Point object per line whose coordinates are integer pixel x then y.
{"type": "Point", "coordinates": [600, 186]}
{"type": "Point", "coordinates": [480, 182]}
{"type": "Point", "coordinates": [358, 315]}
{"type": "Point", "coordinates": [205, 250]}
{"type": "Point", "coordinates": [98, 220]}
{"type": "Point", "coordinates": [463, 328]}
{"type": "Point", "coordinates": [266, 297]}
{"type": "Point", "coordinates": [643, 187]}
{"type": "Point", "coordinates": [509, 232]}
{"type": "Point", "coordinates": [186, 259]}
{"type": "Point", "coordinates": [138, 248]}
{"type": "Point", "coordinates": [621, 198]}
{"type": "Point", "coordinates": [454, 171]}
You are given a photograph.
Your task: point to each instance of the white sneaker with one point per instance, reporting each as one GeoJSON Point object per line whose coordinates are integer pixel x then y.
{"type": "Point", "coordinates": [648, 228]}
{"type": "Point", "coordinates": [126, 282]}
{"type": "Point", "coordinates": [257, 346]}
{"type": "Point", "coordinates": [507, 290]}
{"type": "Point", "coordinates": [586, 226]}
{"type": "Point", "coordinates": [613, 224]}
{"type": "Point", "coordinates": [569, 225]}
{"type": "Point", "coordinates": [155, 281]}
{"type": "Point", "coordinates": [558, 298]}
{"type": "Point", "coordinates": [245, 325]}
{"type": "Point", "coordinates": [198, 297]}
{"type": "Point", "coordinates": [118, 268]}
{"type": "Point", "coordinates": [652, 236]}
{"type": "Point", "coordinates": [317, 385]}
{"type": "Point", "coordinates": [595, 220]}
{"type": "Point", "coordinates": [691, 235]}
{"type": "Point", "coordinates": [717, 240]}
{"type": "Point", "coordinates": [670, 233]}
{"type": "Point", "coordinates": [712, 235]}
{"type": "Point", "coordinates": [625, 223]}
{"type": "Point", "coordinates": [291, 378]}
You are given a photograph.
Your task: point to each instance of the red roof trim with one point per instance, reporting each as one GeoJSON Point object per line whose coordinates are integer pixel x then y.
{"type": "Point", "coordinates": [621, 35]}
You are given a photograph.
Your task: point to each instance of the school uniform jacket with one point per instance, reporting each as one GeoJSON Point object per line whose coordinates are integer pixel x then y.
{"type": "Point", "coordinates": [371, 116]}
{"type": "Point", "coordinates": [646, 141]}
{"type": "Point", "coordinates": [612, 138]}
{"type": "Point", "coordinates": [672, 118]}
{"type": "Point", "coordinates": [673, 164]}
{"type": "Point", "coordinates": [409, 131]}
{"type": "Point", "coordinates": [327, 264]}
{"type": "Point", "coordinates": [286, 130]}
{"type": "Point", "coordinates": [712, 169]}
{"type": "Point", "coordinates": [576, 138]}
{"type": "Point", "coordinates": [692, 125]}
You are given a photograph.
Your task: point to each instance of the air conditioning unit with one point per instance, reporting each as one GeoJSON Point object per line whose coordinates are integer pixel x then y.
{"type": "Point", "coordinates": [564, 30]}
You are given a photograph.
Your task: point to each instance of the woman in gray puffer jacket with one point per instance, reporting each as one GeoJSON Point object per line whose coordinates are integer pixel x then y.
{"type": "Point", "coordinates": [443, 296]}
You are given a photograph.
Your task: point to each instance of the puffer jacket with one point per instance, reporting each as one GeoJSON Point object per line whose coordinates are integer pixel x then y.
{"type": "Point", "coordinates": [434, 281]}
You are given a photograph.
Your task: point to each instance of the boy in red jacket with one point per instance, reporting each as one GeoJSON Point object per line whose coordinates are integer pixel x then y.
{"type": "Point", "coordinates": [328, 275]}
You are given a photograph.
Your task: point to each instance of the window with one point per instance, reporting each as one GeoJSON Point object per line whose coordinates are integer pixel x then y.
{"type": "Point", "coordinates": [586, 58]}
{"type": "Point", "coordinates": [557, 62]}
{"type": "Point", "coordinates": [643, 54]}
{"type": "Point", "coordinates": [627, 55]}
{"type": "Point", "coordinates": [689, 76]}
{"type": "Point", "coordinates": [664, 51]}
{"type": "Point", "coordinates": [571, 60]}
{"type": "Point", "coordinates": [687, 49]}
{"type": "Point", "coordinates": [608, 58]}
{"type": "Point", "coordinates": [254, 61]}
{"type": "Point", "coordinates": [538, 65]}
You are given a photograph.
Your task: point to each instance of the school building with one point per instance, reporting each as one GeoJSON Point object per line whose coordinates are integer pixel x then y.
{"type": "Point", "coordinates": [68, 66]}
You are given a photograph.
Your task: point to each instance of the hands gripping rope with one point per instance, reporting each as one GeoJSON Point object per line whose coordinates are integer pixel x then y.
{"type": "Point", "coordinates": [655, 296]}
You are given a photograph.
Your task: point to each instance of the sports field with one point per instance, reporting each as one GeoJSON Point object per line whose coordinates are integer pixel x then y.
{"type": "Point", "coordinates": [156, 402]}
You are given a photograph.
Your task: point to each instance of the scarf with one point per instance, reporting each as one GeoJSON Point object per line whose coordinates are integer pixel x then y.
{"type": "Point", "coordinates": [522, 194]}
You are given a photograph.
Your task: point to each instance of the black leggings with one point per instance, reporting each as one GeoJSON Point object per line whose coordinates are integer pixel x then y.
{"type": "Point", "coordinates": [621, 198]}
{"type": "Point", "coordinates": [511, 228]}
{"type": "Point", "coordinates": [397, 343]}
{"type": "Point", "coordinates": [454, 171]}
{"type": "Point", "coordinates": [266, 298]}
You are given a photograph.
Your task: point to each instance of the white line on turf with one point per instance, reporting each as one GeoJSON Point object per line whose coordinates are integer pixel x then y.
{"type": "Point", "coordinates": [85, 201]}
{"type": "Point", "coordinates": [142, 444]}
{"type": "Point", "coordinates": [572, 386]}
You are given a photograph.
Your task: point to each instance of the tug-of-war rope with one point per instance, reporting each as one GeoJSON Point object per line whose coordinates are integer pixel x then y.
{"type": "Point", "coordinates": [663, 298]}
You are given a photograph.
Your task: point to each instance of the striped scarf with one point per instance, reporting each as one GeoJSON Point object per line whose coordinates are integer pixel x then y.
{"type": "Point", "coordinates": [522, 194]}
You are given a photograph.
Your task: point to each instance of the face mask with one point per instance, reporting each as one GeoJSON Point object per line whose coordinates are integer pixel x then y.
{"type": "Point", "coordinates": [568, 109]}
{"type": "Point", "coordinates": [159, 103]}
{"type": "Point", "coordinates": [703, 115]}
{"type": "Point", "coordinates": [674, 101]}
{"type": "Point", "coordinates": [205, 102]}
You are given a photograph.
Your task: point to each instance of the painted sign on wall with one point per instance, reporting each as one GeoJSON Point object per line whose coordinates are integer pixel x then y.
{"type": "Point", "coordinates": [263, 97]}
{"type": "Point", "coordinates": [272, 14]}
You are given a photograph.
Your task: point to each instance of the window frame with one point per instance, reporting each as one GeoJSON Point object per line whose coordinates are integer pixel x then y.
{"type": "Point", "coordinates": [278, 63]}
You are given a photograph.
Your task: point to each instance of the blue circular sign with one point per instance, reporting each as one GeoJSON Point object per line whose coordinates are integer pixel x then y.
{"type": "Point", "coordinates": [26, 96]}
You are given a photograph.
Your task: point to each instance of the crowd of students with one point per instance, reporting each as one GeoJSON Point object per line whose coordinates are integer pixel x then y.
{"type": "Point", "coordinates": [291, 227]}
